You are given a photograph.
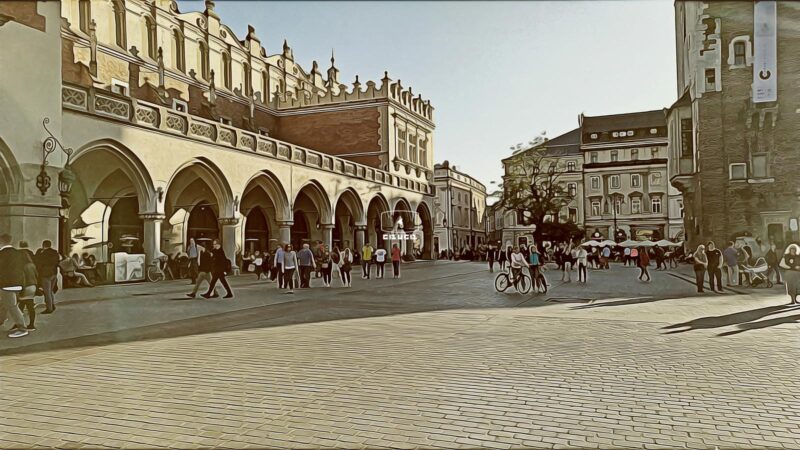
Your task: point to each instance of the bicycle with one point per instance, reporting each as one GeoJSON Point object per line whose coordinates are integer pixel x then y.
{"type": "Point", "coordinates": [522, 283]}
{"type": "Point", "coordinates": [154, 272]}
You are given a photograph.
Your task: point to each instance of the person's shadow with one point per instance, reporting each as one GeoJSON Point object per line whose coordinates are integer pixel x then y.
{"type": "Point", "coordinates": [728, 319]}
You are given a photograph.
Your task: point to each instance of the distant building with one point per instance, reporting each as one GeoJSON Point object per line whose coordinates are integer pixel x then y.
{"type": "Point", "coordinates": [460, 209]}
{"type": "Point", "coordinates": [627, 192]}
{"type": "Point", "coordinates": [734, 131]}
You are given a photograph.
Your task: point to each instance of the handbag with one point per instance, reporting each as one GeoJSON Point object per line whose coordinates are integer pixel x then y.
{"type": "Point", "coordinates": [251, 268]}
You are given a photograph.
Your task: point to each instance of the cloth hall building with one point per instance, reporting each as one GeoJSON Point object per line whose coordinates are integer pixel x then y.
{"type": "Point", "coordinates": [137, 127]}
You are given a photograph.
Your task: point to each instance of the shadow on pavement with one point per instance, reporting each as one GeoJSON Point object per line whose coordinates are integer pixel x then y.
{"type": "Point", "coordinates": [762, 324]}
{"type": "Point", "coordinates": [729, 319]}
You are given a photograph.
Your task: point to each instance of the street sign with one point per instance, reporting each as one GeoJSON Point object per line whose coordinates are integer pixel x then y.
{"type": "Point", "coordinates": [765, 57]}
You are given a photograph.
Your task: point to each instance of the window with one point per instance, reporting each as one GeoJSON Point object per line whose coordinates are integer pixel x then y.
{"type": "Point", "coordinates": [617, 206]}
{"type": "Point", "coordinates": [119, 87]}
{"type": "Point", "coordinates": [614, 156]}
{"type": "Point", "coordinates": [203, 55]}
{"type": "Point", "coordinates": [179, 50]}
{"type": "Point", "coordinates": [653, 130]}
{"type": "Point", "coordinates": [595, 208]}
{"type": "Point", "coordinates": [248, 79]}
{"type": "Point", "coordinates": [572, 189]}
{"type": "Point", "coordinates": [614, 181]}
{"type": "Point", "coordinates": [151, 36]}
{"type": "Point", "coordinates": [758, 164]}
{"type": "Point", "coordinates": [594, 157]}
{"type": "Point", "coordinates": [739, 53]}
{"type": "Point", "coordinates": [119, 23]}
{"type": "Point", "coordinates": [84, 15]}
{"type": "Point", "coordinates": [655, 179]}
{"type": "Point", "coordinates": [655, 205]}
{"type": "Point", "coordinates": [654, 152]}
{"type": "Point", "coordinates": [226, 70]}
{"type": "Point", "coordinates": [634, 154]}
{"type": "Point", "coordinates": [263, 132]}
{"type": "Point", "coordinates": [687, 139]}
{"type": "Point", "coordinates": [636, 180]}
{"type": "Point", "coordinates": [412, 148]}
{"type": "Point", "coordinates": [401, 143]}
{"type": "Point", "coordinates": [615, 134]}
{"type": "Point", "coordinates": [571, 166]}
{"type": "Point", "coordinates": [629, 133]}
{"type": "Point", "coordinates": [225, 120]}
{"type": "Point", "coordinates": [711, 80]}
{"type": "Point", "coordinates": [738, 171]}
{"type": "Point", "coordinates": [636, 206]}
{"type": "Point", "coordinates": [595, 183]}
{"type": "Point", "coordinates": [180, 105]}
{"type": "Point", "coordinates": [593, 135]}
{"type": "Point", "coordinates": [265, 86]}
{"type": "Point", "coordinates": [572, 215]}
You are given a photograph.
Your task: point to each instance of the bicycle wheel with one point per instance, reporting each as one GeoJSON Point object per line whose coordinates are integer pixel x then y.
{"type": "Point", "coordinates": [501, 282]}
{"type": "Point", "coordinates": [524, 284]}
{"type": "Point", "coordinates": [153, 274]}
{"type": "Point", "coordinates": [543, 283]}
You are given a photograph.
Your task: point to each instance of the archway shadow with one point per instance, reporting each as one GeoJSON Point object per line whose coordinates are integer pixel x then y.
{"type": "Point", "coordinates": [728, 319]}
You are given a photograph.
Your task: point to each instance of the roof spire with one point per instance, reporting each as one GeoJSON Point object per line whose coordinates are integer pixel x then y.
{"type": "Point", "coordinates": [333, 59]}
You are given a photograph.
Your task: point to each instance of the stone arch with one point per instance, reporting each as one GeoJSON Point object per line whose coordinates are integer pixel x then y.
{"type": "Point", "coordinates": [348, 211]}
{"type": "Point", "coordinates": [424, 223]}
{"type": "Point", "coordinates": [270, 185]}
{"type": "Point", "coordinates": [211, 175]}
{"type": "Point", "coordinates": [263, 207]}
{"type": "Point", "coordinates": [314, 190]}
{"type": "Point", "coordinates": [377, 208]}
{"type": "Point", "coordinates": [350, 198]}
{"type": "Point", "coordinates": [402, 208]}
{"type": "Point", "coordinates": [10, 174]}
{"type": "Point", "coordinates": [311, 210]}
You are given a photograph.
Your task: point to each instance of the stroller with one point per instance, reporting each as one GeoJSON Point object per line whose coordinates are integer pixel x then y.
{"type": "Point", "coordinates": [757, 274]}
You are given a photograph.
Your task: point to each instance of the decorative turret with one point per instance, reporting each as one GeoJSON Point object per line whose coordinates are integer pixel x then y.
{"type": "Point", "coordinates": [210, 8]}
{"type": "Point", "coordinates": [287, 51]}
{"type": "Point", "coordinates": [333, 72]}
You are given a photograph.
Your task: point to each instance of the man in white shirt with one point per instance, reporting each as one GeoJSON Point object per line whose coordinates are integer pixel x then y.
{"type": "Point", "coordinates": [12, 277]}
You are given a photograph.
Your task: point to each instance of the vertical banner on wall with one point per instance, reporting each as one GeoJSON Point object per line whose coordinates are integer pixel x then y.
{"type": "Point", "coordinates": [765, 59]}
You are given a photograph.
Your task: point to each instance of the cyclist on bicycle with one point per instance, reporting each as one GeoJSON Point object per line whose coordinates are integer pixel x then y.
{"type": "Point", "coordinates": [517, 264]}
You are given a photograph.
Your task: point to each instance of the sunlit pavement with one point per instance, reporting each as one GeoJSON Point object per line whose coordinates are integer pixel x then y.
{"type": "Point", "coordinates": [434, 360]}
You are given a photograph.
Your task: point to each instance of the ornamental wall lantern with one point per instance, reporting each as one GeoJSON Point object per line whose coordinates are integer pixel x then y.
{"type": "Point", "coordinates": [67, 177]}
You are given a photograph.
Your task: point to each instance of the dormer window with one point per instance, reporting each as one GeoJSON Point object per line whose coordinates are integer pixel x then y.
{"type": "Point", "coordinates": [711, 80]}
{"type": "Point", "coordinates": [593, 135]}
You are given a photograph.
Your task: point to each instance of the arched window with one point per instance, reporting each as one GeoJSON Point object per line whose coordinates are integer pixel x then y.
{"type": "Point", "coordinates": [226, 70]}
{"type": "Point", "coordinates": [151, 36]}
{"type": "Point", "coordinates": [84, 15]}
{"type": "Point", "coordinates": [119, 23]}
{"type": "Point", "coordinates": [265, 87]}
{"type": "Point", "coordinates": [248, 79]}
{"type": "Point", "coordinates": [203, 55]}
{"type": "Point", "coordinates": [179, 50]}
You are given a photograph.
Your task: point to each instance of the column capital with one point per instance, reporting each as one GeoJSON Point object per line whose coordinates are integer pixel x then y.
{"type": "Point", "coordinates": [152, 216]}
{"type": "Point", "coordinates": [327, 226]}
{"type": "Point", "coordinates": [360, 227]}
{"type": "Point", "coordinates": [228, 221]}
{"type": "Point", "coordinates": [285, 223]}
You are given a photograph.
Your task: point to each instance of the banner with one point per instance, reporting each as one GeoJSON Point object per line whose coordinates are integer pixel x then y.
{"type": "Point", "coordinates": [765, 57]}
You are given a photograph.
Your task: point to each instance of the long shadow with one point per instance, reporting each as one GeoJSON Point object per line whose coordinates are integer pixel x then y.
{"type": "Point", "coordinates": [727, 319]}
{"type": "Point", "coordinates": [762, 324]}
{"type": "Point", "coordinates": [627, 301]}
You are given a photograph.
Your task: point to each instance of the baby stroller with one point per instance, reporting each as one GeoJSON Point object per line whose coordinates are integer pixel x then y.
{"type": "Point", "coordinates": [757, 274]}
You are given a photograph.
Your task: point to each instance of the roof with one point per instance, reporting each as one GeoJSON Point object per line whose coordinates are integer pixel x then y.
{"type": "Point", "coordinates": [643, 119]}
{"type": "Point", "coordinates": [565, 144]}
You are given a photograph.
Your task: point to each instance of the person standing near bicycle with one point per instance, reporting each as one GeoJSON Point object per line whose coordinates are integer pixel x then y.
{"type": "Point", "coordinates": [220, 266]}
{"type": "Point", "coordinates": [517, 264]}
{"type": "Point", "coordinates": [534, 261]}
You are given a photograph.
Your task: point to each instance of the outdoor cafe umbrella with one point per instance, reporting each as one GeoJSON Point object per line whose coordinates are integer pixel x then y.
{"type": "Point", "coordinates": [666, 243]}
{"type": "Point", "coordinates": [628, 243]}
{"type": "Point", "coordinates": [607, 243]}
{"type": "Point", "coordinates": [591, 243]}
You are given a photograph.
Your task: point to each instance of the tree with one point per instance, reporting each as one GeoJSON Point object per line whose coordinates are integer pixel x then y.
{"type": "Point", "coordinates": [530, 188]}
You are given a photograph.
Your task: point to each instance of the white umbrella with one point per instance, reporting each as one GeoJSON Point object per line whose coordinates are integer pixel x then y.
{"type": "Point", "coordinates": [590, 244]}
{"type": "Point", "coordinates": [645, 244]}
{"type": "Point", "coordinates": [666, 243]}
{"type": "Point", "coordinates": [628, 243]}
{"type": "Point", "coordinates": [608, 243]}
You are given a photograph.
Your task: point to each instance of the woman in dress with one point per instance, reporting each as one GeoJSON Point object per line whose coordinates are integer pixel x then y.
{"type": "Point", "coordinates": [791, 265]}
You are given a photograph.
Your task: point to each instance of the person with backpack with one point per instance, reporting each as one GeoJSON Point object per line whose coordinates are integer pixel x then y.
{"type": "Point", "coordinates": [345, 266]}
{"type": "Point", "coordinates": [220, 267]}
{"type": "Point", "coordinates": [25, 300]}
{"type": "Point", "coordinates": [12, 279]}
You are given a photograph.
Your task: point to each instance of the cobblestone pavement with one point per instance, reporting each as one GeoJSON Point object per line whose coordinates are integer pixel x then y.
{"type": "Point", "coordinates": [436, 361]}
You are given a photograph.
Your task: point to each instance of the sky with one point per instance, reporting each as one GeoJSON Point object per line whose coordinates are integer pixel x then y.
{"type": "Point", "coordinates": [497, 73]}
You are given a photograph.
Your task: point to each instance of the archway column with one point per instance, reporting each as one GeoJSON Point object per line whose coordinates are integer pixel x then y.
{"type": "Point", "coordinates": [409, 244]}
{"type": "Point", "coordinates": [327, 234]}
{"type": "Point", "coordinates": [360, 231]}
{"type": "Point", "coordinates": [152, 235]}
{"type": "Point", "coordinates": [228, 232]}
{"type": "Point", "coordinates": [285, 232]}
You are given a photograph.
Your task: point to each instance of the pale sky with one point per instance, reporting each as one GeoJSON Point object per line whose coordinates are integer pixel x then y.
{"type": "Point", "coordinates": [498, 73]}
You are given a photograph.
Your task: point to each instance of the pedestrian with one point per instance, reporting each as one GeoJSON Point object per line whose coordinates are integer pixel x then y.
{"type": "Point", "coordinates": [25, 301]}
{"type": "Point", "coordinates": [606, 255]}
{"type": "Point", "coordinates": [194, 259]}
{"type": "Point", "coordinates": [644, 262]}
{"type": "Point", "coordinates": [626, 256]}
{"type": "Point", "coordinates": [205, 265]}
{"type": "Point", "coordinates": [490, 257]}
{"type": "Point", "coordinates": [502, 258]}
{"type": "Point", "coordinates": [567, 264]}
{"type": "Point", "coordinates": [325, 267]}
{"type": "Point", "coordinates": [700, 266]}
{"type": "Point", "coordinates": [773, 263]}
{"type": "Point", "coordinates": [517, 263]}
{"type": "Point", "coordinates": [317, 251]}
{"type": "Point", "coordinates": [289, 266]}
{"type": "Point", "coordinates": [380, 261]}
{"type": "Point", "coordinates": [743, 255]}
{"type": "Point", "coordinates": [714, 257]}
{"type": "Point", "coordinates": [305, 259]}
{"type": "Point", "coordinates": [659, 254]}
{"type": "Point", "coordinates": [730, 259]}
{"type": "Point", "coordinates": [396, 259]}
{"type": "Point", "coordinates": [266, 266]}
{"type": "Point", "coordinates": [47, 260]}
{"type": "Point", "coordinates": [258, 264]}
{"type": "Point", "coordinates": [278, 266]}
{"type": "Point", "coordinates": [581, 257]}
{"type": "Point", "coordinates": [366, 260]}
{"type": "Point", "coordinates": [12, 279]}
{"type": "Point", "coordinates": [534, 260]}
{"type": "Point", "coordinates": [345, 266]}
{"type": "Point", "coordinates": [69, 271]}
{"type": "Point", "coordinates": [635, 257]}
{"type": "Point", "coordinates": [336, 256]}
{"type": "Point", "coordinates": [791, 265]}
{"type": "Point", "coordinates": [220, 266]}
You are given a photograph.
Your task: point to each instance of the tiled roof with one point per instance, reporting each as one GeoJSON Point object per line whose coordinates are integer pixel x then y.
{"type": "Point", "coordinates": [644, 119]}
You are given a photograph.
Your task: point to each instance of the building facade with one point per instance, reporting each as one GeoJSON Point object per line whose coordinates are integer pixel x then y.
{"type": "Point", "coordinates": [175, 128]}
{"type": "Point", "coordinates": [626, 178]}
{"type": "Point", "coordinates": [734, 129]}
{"type": "Point", "coordinates": [460, 209]}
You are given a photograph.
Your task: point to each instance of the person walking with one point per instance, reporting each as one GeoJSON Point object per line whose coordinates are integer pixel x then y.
{"type": "Point", "coordinates": [12, 279]}
{"type": "Point", "coordinates": [791, 275]}
{"type": "Point", "coordinates": [773, 263]}
{"type": "Point", "coordinates": [289, 266]}
{"type": "Point", "coordinates": [700, 266]}
{"type": "Point", "coordinates": [336, 256]}
{"type": "Point", "coordinates": [366, 260]}
{"type": "Point", "coordinates": [220, 266]}
{"type": "Point", "coordinates": [345, 266]}
{"type": "Point", "coordinates": [635, 257]}
{"type": "Point", "coordinates": [714, 257]}
{"type": "Point", "coordinates": [502, 258]}
{"type": "Point", "coordinates": [258, 264]}
{"type": "Point", "coordinates": [490, 257]}
{"type": "Point", "coordinates": [606, 255]}
{"type": "Point", "coordinates": [47, 260]}
{"type": "Point", "coordinates": [643, 262]}
{"type": "Point", "coordinates": [307, 264]}
{"type": "Point", "coordinates": [659, 254]}
{"type": "Point", "coordinates": [317, 251]}
{"type": "Point", "coordinates": [26, 296]}
{"type": "Point", "coordinates": [582, 259]}
{"type": "Point", "coordinates": [729, 257]}
{"type": "Point", "coordinates": [534, 260]}
{"type": "Point", "coordinates": [325, 266]}
{"type": "Point", "coordinates": [278, 265]}
{"type": "Point", "coordinates": [193, 253]}
{"type": "Point", "coordinates": [204, 268]}
{"type": "Point", "coordinates": [396, 259]}
{"type": "Point", "coordinates": [626, 256]}
{"type": "Point", "coordinates": [380, 262]}
{"type": "Point", "coordinates": [266, 266]}
{"type": "Point", "coordinates": [566, 271]}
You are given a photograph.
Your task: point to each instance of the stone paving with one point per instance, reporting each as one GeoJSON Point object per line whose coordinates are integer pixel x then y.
{"type": "Point", "coordinates": [438, 360]}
